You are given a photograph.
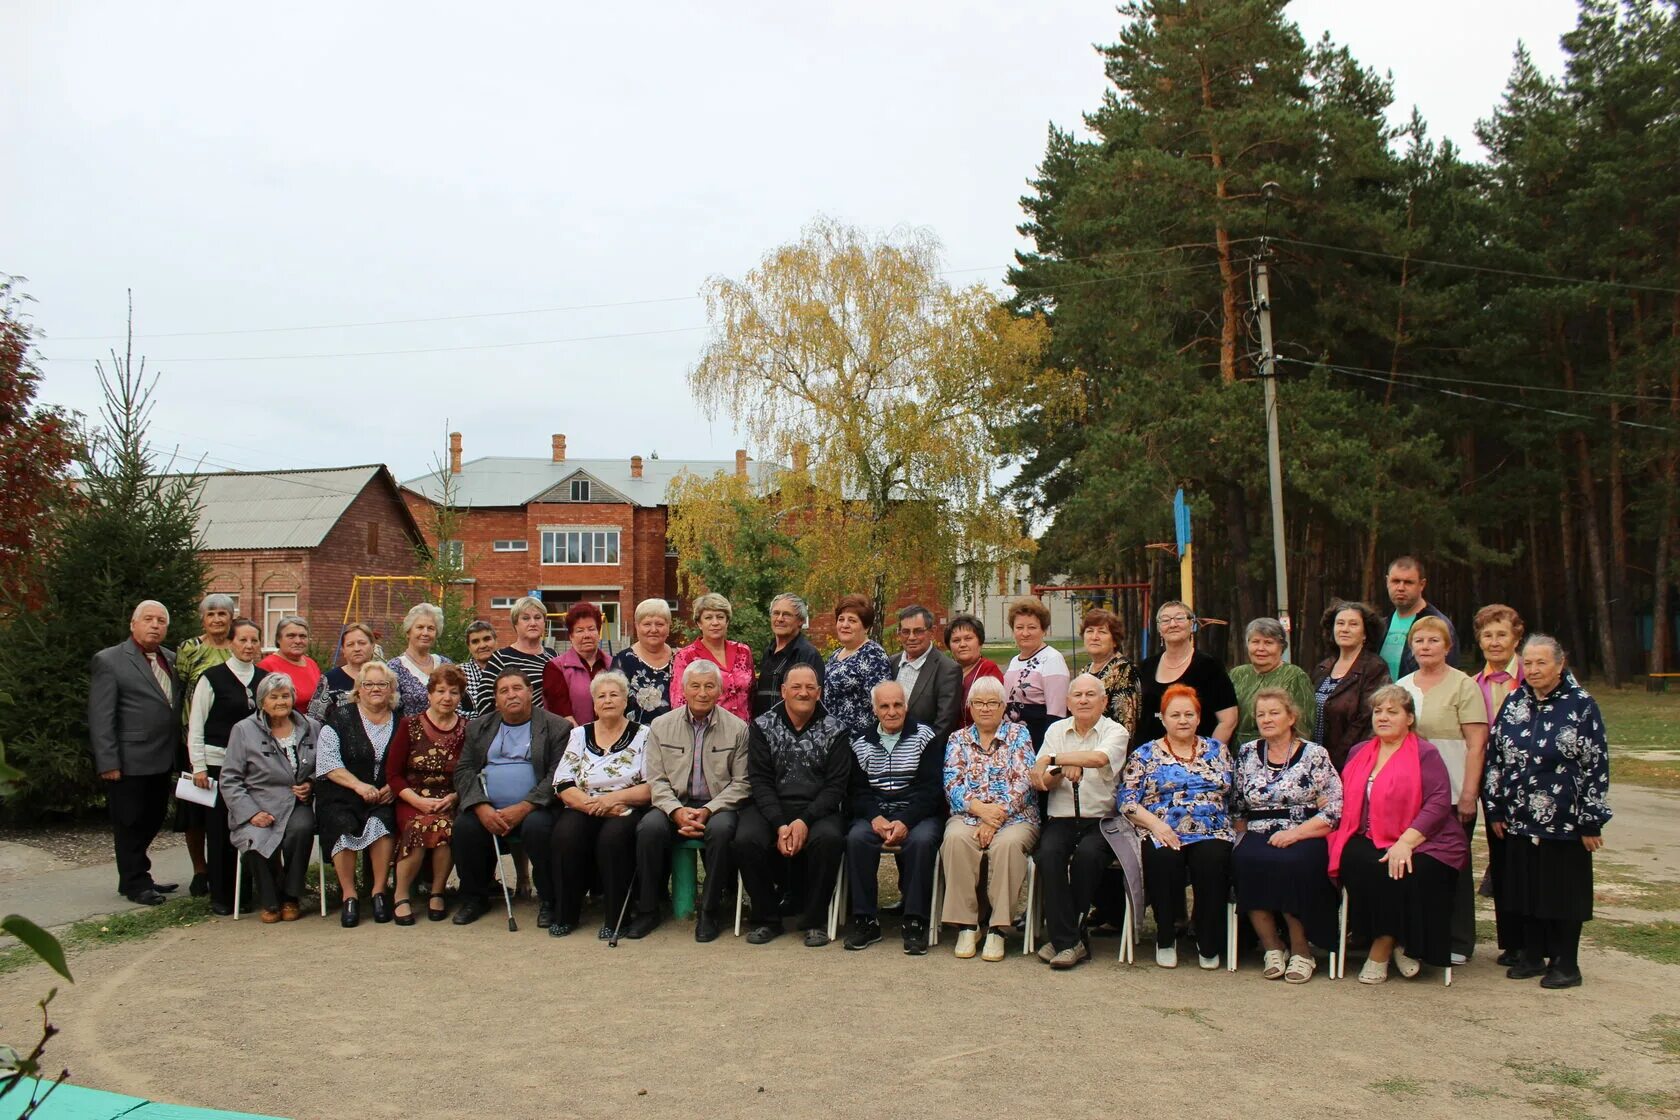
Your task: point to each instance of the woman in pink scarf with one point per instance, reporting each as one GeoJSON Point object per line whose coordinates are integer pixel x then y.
{"type": "Point", "coordinates": [1398, 848]}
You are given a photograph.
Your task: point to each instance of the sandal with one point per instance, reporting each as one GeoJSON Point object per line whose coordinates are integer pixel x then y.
{"type": "Point", "coordinates": [1301, 969]}
{"type": "Point", "coordinates": [1273, 968]}
{"type": "Point", "coordinates": [401, 918]}
{"type": "Point", "coordinates": [1374, 972]}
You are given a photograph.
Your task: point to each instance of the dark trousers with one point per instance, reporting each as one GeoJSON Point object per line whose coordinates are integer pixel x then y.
{"type": "Point", "coordinates": [916, 859]}
{"type": "Point", "coordinates": [1554, 941]}
{"type": "Point", "coordinates": [138, 804]}
{"type": "Point", "coordinates": [590, 849]}
{"type": "Point", "coordinates": [281, 876]}
{"type": "Point", "coordinates": [1508, 925]}
{"type": "Point", "coordinates": [1206, 867]}
{"type": "Point", "coordinates": [475, 852]}
{"type": "Point", "coordinates": [219, 857]}
{"type": "Point", "coordinates": [1464, 905]}
{"type": "Point", "coordinates": [657, 834]}
{"type": "Point", "coordinates": [809, 875]}
{"type": "Point", "coordinates": [1072, 857]}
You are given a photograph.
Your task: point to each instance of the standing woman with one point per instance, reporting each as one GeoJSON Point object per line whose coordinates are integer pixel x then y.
{"type": "Point", "coordinates": [1101, 632]}
{"type": "Point", "coordinates": [646, 664]}
{"type": "Point", "coordinates": [527, 653]}
{"type": "Point", "coordinates": [1344, 681]}
{"type": "Point", "coordinates": [223, 697]}
{"type": "Point", "coordinates": [421, 766]}
{"type": "Point", "coordinates": [415, 665]}
{"type": "Point", "coordinates": [1548, 778]}
{"type": "Point", "coordinates": [292, 658]}
{"type": "Point", "coordinates": [1499, 631]}
{"type": "Point", "coordinates": [965, 637]}
{"type": "Point", "coordinates": [566, 678]}
{"type": "Point", "coordinates": [1036, 678]}
{"type": "Point", "coordinates": [1452, 715]}
{"type": "Point", "coordinates": [480, 699]}
{"type": "Point", "coordinates": [1179, 662]}
{"type": "Point", "coordinates": [734, 659]}
{"type": "Point", "coordinates": [196, 655]}
{"type": "Point", "coordinates": [355, 649]}
{"type": "Point", "coordinates": [856, 667]}
{"type": "Point", "coordinates": [1266, 668]}
{"type": "Point", "coordinates": [354, 804]}
{"type": "Point", "coordinates": [266, 784]}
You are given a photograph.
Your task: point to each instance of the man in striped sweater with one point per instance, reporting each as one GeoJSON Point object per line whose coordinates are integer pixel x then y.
{"type": "Point", "coordinates": [897, 798]}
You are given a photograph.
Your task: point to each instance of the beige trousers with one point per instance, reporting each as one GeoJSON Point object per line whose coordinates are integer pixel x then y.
{"type": "Point", "coordinates": [1000, 876]}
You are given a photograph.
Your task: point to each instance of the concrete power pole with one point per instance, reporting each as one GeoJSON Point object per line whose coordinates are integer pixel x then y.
{"type": "Point", "coordinates": [1274, 467]}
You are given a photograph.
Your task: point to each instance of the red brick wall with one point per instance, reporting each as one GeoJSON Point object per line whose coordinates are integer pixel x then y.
{"type": "Point", "coordinates": [345, 553]}
{"type": "Point", "coordinates": [250, 574]}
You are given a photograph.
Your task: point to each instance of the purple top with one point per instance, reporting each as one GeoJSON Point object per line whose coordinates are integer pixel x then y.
{"type": "Point", "coordinates": [1437, 818]}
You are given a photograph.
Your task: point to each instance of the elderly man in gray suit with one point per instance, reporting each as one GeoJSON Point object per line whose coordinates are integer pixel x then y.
{"type": "Point", "coordinates": [134, 725]}
{"type": "Point", "coordinates": [931, 680]}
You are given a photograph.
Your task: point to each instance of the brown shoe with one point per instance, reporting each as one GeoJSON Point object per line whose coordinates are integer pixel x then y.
{"type": "Point", "coordinates": [269, 917]}
{"type": "Point", "coordinates": [289, 912]}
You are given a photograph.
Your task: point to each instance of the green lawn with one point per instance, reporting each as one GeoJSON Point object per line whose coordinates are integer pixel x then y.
{"type": "Point", "coordinates": [1636, 718]}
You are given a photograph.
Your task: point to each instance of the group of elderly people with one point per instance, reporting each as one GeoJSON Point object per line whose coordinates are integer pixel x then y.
{"type": "Point", "coordinates": [1123, 784]}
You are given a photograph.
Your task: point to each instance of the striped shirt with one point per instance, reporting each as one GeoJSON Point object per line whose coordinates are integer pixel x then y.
{"type": "Point", "coordinates": [530, 666]}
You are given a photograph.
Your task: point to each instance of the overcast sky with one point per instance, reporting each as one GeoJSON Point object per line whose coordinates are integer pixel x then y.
{"type": "Point", "coordinates": [245, 168]}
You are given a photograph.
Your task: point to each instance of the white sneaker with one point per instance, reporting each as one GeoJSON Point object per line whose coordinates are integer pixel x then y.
{"type": "Point", "coordinates": [968, 943]}
{"type": "Point", "coordinates": [1374, 972]}
{"type": "Point", "coordinates": [1273, 964]}
{"type": "Point", "coordinates": [994, 947]}
{"type": "Point", "coordinates": [1407, 966]}
{"type": "Point", "coordinates": [1166, 956]}
{"type": "Point", "coordinates": [1208, 963]}
{"type": "Point", "coordinates": [1460, 958]}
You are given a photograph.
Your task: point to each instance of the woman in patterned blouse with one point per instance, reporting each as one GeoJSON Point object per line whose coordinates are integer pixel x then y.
{"type": "Point", "coordinates": [420, 765]}
{"type": "Point", "coordinates": [1545, 790]}
{"type": "Point", "coordinates": [1037, 676]}
{"type": "Point", "coordinates": [856, 667]}
{"type": "Point", "coordinates": [733, 659]}
{"type": "Point", "coordinates": [416, 663]}
{"type": "Point", "coordinates": [646, 664]}
{"type": "Point", "coordinates": [1174, 789]}
{"type": "Point", "coordinates": [1101, 632]}
{"type": "Point", "coordinates": [1288, 799]}
{"type": "Point", "coordinates": [993, 822]}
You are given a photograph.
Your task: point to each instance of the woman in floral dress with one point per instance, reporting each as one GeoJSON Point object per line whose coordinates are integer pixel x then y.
{"type": "Point", "coordinates": [855, 668]}
{"type": "Point", "coordinates": [421, 769]}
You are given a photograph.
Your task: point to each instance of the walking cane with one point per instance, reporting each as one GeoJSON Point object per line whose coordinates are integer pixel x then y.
{"type": "Point", "coordinates": [495, 842]}
{"type": "Point", "coordinates": [612, 942]}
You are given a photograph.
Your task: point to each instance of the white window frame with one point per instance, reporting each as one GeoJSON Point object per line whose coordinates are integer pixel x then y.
{"type": "Point", "coordinates": [453, 553]}
{"type": "Point", "coordinates": [608, 541]}
{"type": "Point", "coordinates": [272, 614]}
{"type": "Point", "coordinates": [510, 546]}
{"type": "Point", "coordinates": [503, 602]}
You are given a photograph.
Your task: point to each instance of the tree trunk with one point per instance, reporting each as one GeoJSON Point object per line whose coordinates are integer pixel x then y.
{"type": "Point", "coordinates": [1621, 592]}
{"type": "Point", "coordinates": [1231, 314]}
{"type": "Point", "coordinates": [1575, 637]}
{"type": "Point", "coordinates": [1236, 527]}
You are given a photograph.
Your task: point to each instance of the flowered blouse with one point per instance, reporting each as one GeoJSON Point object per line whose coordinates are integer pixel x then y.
{"type": "Point", "coordinates": [1120, 681]}
{"type": "Point", "coordinates": [595, 769]}
{"type": "Point", "coordinates": [1189, 796]}
{"type": "Point", "coordinates": [1271, 798]}
{"type": "Point", "coordinates": [997, 772]}
{"type": "Point", "coordinates": [1548, 764]}
{"type": "Point", "coordinates": [847, 682]}
{"type": "Point", "coordinates": [411, 684]}
{"type": "Point", "coordinates": [737, 675]}
{"type": "Point", "coordinates": [650, 688]}
{"type": "Point", "coordinates": [1039, 681]}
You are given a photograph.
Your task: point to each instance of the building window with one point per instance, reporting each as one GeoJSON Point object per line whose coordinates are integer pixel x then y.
{"type": "Point", "coordinates": [373, 538]}
{"type": "Point", "coordinates": [453, 554]}
{"type": "Point", "coordinates": [580, 489]}
{"type": "Point", "coordinates": [276, 607]}
{"type": "Point", "coordinates": [502, 603]}
{"type": "Point", "coordinates": [580, 546]}
{"type": "Point", "coordinates": [511, 546]}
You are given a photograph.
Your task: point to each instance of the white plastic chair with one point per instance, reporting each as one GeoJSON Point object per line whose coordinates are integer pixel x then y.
{"type": "Point", "coordinates": [836, 902]}
{"type": "Point", "coordinates": [315, 857]}
{"type": "Point", "coordinates": [1035, 918]}
{"type": "Point", "coordinates": [1338, 959]}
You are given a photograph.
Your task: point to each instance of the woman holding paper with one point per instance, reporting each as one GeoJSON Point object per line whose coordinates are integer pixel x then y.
{"type": "Point", "coordinates": [225, 695]}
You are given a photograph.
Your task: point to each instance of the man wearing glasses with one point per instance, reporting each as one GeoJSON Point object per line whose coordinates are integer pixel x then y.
{"type": "Point", "coordinates": [931, 680]}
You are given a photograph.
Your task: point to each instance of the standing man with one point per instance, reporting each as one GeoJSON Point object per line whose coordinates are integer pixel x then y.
{"type": "Point", "coordinates": [930, 679]}
{"type": "Point", "coordinates": [134, 725]}
{"type": "Point", "coordinates": [788, 647]}
{"type": "Point", "coordinates": [1405, 590]}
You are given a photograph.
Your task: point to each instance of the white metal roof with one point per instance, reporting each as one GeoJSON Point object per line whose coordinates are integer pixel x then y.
{"type": "Point", "coordinates": [509, 481]}
{"type": "Point", "coordinates": [276, 509]}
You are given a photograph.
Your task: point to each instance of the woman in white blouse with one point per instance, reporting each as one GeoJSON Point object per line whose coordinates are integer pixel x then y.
{"type": "Point", "coordinates": [601, 783]}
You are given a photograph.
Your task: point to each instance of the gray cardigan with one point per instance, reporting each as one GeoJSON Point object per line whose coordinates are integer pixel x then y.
{"type": "Point", "coordinates": [257, 778]}
{"type": "Point", "coordinates": [549, 734]}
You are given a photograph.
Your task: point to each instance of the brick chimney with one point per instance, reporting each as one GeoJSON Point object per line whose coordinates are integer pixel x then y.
{"type": "Point", "coordinates": [801, 452]}
{"type": "Point", "coordinates": [635, 466]}
{"type": "Point", "coordinates": [454, 452]}
{"type": "Point", "coordinates": [741, 464]}
{"type": "Point", "coordinates": [559, 446]}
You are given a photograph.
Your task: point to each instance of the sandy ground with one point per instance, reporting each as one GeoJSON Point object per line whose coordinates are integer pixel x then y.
{"type": "Point", "coordinates": [309, 1020]}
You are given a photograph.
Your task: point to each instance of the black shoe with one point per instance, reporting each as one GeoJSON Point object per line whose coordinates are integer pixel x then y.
{"type": "Point", "coordinates": [1525, 970]}
{"type": "Point", "coordinates": [200, 885]}
{"type": "Point", "coordinates": [1556, 978]}
{"type": "Point", "coordinates": [864, 933]}
{"type": "Point", "coordinates": [351, 915]}
{"type": "Point", "coordinates": [438, 912]}
{"type": "Point", "coordinates": [705, 929]}
{"type": "Point", "coordinates": [220, 909]}
{"type": "Point", "coordinates": [915, 937]}
{"type": "Point", "coordinates": [1508, 958]}
{"type": "Point", "coordinates": [146, 896]}
{"type": "Point", "coordinates": [641, 925]}
{"type": "Point", "coordinates": [545, 913]}
{"type": "Point", "coordinates": [166, 888]}
{"type": "Point", "coordinates": [401, 919]}
{"type": "Point", "coordinates": [382, 907]}
{"type": "Point", "coordinates": [560, 929]}
{"type": "Point", "coordinates": [764, 933]}
{"type": "Point", "coordinates": [471, 910]}
{"type": "Point", "coordinates": [816, 938]}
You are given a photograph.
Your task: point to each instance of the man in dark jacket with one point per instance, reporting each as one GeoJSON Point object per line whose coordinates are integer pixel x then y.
{"type": "Point", "coordinates": [788, 647]}
{"type": "Point", "coordinates": [134, 726]}
{"type": "Point", "coordinates": [798, 759]}
{"type": "Point", "coordinates": [897, 791]}
{"type": "Point", "coordinates": [932, 681]}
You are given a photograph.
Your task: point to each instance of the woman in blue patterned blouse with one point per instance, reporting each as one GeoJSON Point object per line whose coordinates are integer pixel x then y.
{"type": "Point", "coordinates": [1175, 789]}
{"type": "Point", "coordinates": [856, 667]}
{"type": "Point", "coordinates": [1544, 789]}
{"type": "Point", "coordinates": [1288, 798]}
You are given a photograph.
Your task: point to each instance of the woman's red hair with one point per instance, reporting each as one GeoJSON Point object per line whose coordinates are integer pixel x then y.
{"type": "Point", "coordinates": [1181, 692]}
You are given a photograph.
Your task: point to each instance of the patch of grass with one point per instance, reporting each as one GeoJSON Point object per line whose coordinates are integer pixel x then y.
{"type": "Point", "coordinates": [1663, 1036]}
{"type": "Point", "coordinates": [1640, 1100]}
{"type": "Point", "coordinates": [1655, 941]}
{"type": "Point", "coordinates": [1634, 717]}
{"type": "Point", "coordinates": [1397, 1087]}
{"type": "Point", "coordinates": [115, 929]}
{"type": "Point", "coordinates": [1645, 771]}
{"type": "Point", "coordinates": [1197, 1015]}
{"type": "Point", "coordinates": [1475, 1093]}
{"type": "Point", "coordinates": [1619, 885]}
{"type": "Point", "coordinates": [1567, 1077]}
{"type": "Point", "coordinates": [1561, 1105]}
{"type": "Point", "coordinates": [1574, 1089]}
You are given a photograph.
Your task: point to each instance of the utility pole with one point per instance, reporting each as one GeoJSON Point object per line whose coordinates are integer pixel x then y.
{"type": "Point", "coordinates": [1274, 467]}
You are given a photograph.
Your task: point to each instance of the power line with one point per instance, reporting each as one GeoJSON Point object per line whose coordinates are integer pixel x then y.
{"type": "Point", "coordinates": [1504, 403]}
{"type": "Point", "coordinates": [1485, 384]}
{"type": "Point", "coordinates": [1553, 277]}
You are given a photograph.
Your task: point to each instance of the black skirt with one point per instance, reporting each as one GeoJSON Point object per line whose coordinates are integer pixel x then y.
{"type": "Point", "coordinates": [1293, 880]}
{"type": "Point", "coordinates": [1416, 910]}
{"type": "Point", "coordinates": [1550, 880]}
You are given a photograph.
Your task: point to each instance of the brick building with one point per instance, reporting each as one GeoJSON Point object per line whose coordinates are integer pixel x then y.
{"type": "Point", "coordinates": [290, 542]}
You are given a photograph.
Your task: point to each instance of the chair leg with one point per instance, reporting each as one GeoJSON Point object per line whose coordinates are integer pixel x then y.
{"type": "Point", "coordinates": [1128, 952]}
{"type": "Point", "coordinates": [740, 893]}
{"type": "Point", "coordinates": [1029, 928]}
{"type": "Point", "coordinates": [238, 878]}
{"type": "Point", "coordinates": [1230, 937]}
{"type": "Point", "coordinates": [934, 903]}
{"type": "Point", "coordinates": [321, 863]}
{"type": "Point", "coordinates": [837, 903]}
{"type": "Point", "coordinates": [1449, 976]}
{"type": "Point", "coordinates": [1341, 948]}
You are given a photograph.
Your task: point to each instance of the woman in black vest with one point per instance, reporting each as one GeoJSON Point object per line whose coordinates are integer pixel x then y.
{"type": "Point", "coordinates": [224, 695]}
{"type": "Point", "coordinates": [354, 806]}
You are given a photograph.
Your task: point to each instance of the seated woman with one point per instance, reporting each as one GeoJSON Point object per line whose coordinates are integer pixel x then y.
{"type": "Point", "coordinates": [1399, 848]}
{"type": "Point", "coordinates": [601, 782]}
{"type": "Point", "coordinates": [354, 803]}
{"type": "Point", "coordinates": [421, 767]}
{"type": "Point", "coordinates": [266, 783]}
{"type": "Point", "coordinates": [993, 822]}
{"type": "Point", "coordinates": [1288, 798]}
{"type": "Point", "coordinates": [1174, 789]}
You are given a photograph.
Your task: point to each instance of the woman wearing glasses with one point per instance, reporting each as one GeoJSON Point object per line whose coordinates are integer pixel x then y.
{"type": "Point", "coordinates": [1180, 663]}
{"type": "Point", "coordinates": [222, 698]}
{"type": "Point", "coordinates": [355, 805]}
